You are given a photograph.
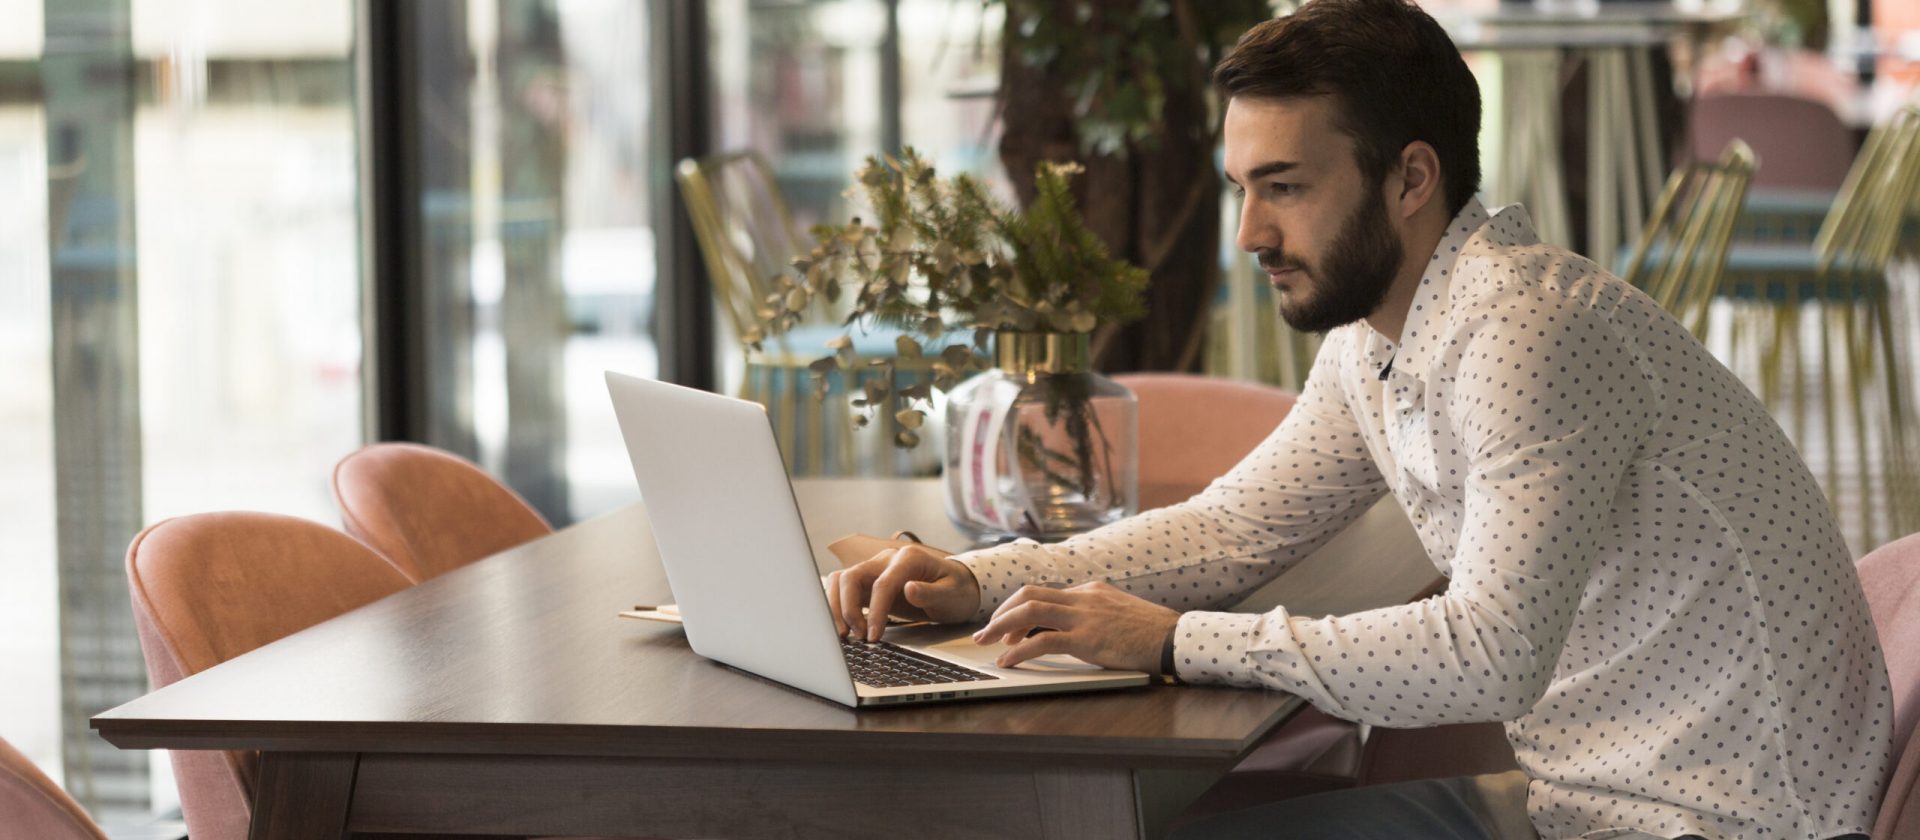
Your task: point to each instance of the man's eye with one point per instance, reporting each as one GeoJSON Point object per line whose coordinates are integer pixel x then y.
{"type": "Point", "coordinates": [1283, 188]}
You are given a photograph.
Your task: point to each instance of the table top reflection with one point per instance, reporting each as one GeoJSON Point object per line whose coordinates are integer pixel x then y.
{"type": "Point", "coordinates": [523, 653]}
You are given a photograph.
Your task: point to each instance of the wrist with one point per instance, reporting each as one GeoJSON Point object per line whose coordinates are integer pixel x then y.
{"type": "Point", "coordinates": [968, 583]}
{"type": "Point", "coordinates": [1169, 671]}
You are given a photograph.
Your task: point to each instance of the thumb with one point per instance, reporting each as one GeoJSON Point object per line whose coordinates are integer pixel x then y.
{"type": "Point", "coordinates": [916, 593]}
{"type": "Point", "coordinates": [936, 599]}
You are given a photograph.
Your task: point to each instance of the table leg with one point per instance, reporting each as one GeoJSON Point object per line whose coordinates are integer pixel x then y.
{"type": "Point", "coordinates": [1603, 157]}
{"type": "Point", "coordinates": [302, 795]}
{"type": "Point", "coordinates": [1646, 119]}
{"type": "Point", "coordinates": [1529, 171]}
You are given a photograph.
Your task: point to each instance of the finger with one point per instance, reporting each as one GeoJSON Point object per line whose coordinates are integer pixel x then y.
{"type": "Point", "coordinates": [1024, 595]}
{"type": "Point", "coordinates": [1032, 595]}
{"type": "Point", "coordinates": [1031, 592]}
{"type": "Point", "coordinates": [853, 596]}
{"type": "Point", "coordinates": [1014, 624]}
{"type": "Point", "coordinates": [1041, 645]}
{"type": "Point", "coordinates": [833, 602]}
{"type": "Point", "coordinates": [884, 589]}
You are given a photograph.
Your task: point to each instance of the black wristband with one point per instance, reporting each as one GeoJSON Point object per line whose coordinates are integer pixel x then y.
{"type": "Point", "coordinates": [1167, 670]}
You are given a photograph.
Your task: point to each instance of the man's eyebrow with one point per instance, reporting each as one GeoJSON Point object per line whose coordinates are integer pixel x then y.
{"type": "Point", "coordinates": [1269, 168]}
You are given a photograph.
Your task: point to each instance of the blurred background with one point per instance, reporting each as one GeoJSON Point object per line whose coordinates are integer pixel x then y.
{"type": "Point", "coordinates": [240, 240]}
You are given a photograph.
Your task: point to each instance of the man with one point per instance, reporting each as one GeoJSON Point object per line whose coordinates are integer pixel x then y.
{"type": "Point", "coordinates": [1646, 585]}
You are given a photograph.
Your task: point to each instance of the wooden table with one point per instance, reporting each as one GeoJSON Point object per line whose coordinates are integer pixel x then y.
{"type": "Point", "coordinates": [507, 698]}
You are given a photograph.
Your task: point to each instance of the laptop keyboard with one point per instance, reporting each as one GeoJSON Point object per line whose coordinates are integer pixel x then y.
{"type": "Point", "coordinates": [885, 665]}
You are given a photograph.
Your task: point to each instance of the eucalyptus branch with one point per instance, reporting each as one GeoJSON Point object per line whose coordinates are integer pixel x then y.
{"type": "Point", "coordinates": [941, 254]}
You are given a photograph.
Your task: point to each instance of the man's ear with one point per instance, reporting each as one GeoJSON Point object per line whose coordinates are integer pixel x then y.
{"type": "Point", "coordinates": [1419, 178]}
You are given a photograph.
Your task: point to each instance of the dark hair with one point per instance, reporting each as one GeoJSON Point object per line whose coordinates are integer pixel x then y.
{"type": "Point", "coordinates": [1394, 75]}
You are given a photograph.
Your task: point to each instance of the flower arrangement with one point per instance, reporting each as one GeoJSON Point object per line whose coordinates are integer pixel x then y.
{"type": "Point", "coordinates": [941, 255]}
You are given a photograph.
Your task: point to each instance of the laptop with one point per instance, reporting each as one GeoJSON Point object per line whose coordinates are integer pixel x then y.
{"type": "Point", "coordinates": [742, 570]}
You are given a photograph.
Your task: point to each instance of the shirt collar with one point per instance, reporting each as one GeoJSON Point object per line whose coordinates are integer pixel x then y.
{"type": "Point", "coordinates": [1427, 316]}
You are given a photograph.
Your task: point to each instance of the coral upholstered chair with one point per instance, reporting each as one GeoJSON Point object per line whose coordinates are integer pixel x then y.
{"type": "Point", "coordinates": [427, 510]}
{"type": "Point", "coordinates": [32, 807]}
{"type": "Point", "coordinates": [209, 587]}
{"type": "Point", "coordinates": [1195, 428]}
{"type": "Point", "coordinates": [1891, 576]}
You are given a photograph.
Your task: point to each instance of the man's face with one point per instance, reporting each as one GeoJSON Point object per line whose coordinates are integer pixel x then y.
{"type": "Point", "coordinates": [1318, 228]}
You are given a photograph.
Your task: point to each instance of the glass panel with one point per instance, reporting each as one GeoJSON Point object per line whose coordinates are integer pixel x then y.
{"type": "Point", "coordinates": [539, 254]}
{"type": "Point", "coordinates": [89, 89]}
{"type": "Point", "coordinates": [950, 69]}
{"type": "Point", "coordinates": [800, 83]}
{"type": "Point", "coordinates": [249, 283]}
{"type": "Point", "coordinates": [179, 312]}
{"type": "Point", "coordinates": [806, 85]}
{"type": "Point", "coordinates": [29, 602]}
{"type": "Point", "coordinates": [25, 30]}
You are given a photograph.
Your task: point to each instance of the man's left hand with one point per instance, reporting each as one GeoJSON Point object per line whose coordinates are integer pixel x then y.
{"type": "Point", "coordinates": [1096, 622]}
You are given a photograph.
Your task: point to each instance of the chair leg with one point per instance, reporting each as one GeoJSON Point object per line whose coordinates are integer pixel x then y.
{"type": "Point", "coordinates": [789, 419]}
{"type": "Point", "coordinates": [1773, 356]}
{"type": "Point", "coordinates": [820, 413]}
{"type": "Point", "coordinates": [1903, 507]}
{"type": "Point", "coordinates": [1829, 413]}
{"type": "Point", "coordinates": [1795, 355]}
{"type": "Point", "coordinates": [844, 418]}
{"type": "Point", "coordinates": [1859, 358]}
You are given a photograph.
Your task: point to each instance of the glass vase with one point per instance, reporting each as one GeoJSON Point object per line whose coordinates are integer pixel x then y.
{"type": "Point", "coordinates": [1040, 446]}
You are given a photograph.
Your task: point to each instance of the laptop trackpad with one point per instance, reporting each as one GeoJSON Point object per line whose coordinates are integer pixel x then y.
{"type": "Point", "coordinates": [956, 642]}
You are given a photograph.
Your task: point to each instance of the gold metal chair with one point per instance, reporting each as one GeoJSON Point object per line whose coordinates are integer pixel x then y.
{"type": "Point", "coordinates": [748, 238]}
{"type": "Point", "coordinates": [1832, 301]}
{"type": "Point", "coordinates": [1683, 250]}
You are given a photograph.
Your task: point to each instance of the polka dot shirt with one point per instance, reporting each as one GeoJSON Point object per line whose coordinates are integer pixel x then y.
{"type": "Point", "coordinates": [1646, 585]}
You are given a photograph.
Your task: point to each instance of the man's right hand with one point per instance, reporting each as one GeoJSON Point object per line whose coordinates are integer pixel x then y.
{"type": "Point", "coordinates": [915, 582]}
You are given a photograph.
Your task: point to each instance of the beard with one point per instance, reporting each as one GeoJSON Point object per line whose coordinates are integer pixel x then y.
{"type": "Point", "coordinates": [1351, 281]}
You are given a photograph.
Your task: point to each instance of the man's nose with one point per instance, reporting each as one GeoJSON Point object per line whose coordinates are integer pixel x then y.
{"type": "Point", "coordinates": [1255, 233]}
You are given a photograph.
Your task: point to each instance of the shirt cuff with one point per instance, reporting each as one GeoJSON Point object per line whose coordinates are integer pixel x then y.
{"type": "Point", "coordinates": [1211, 648]}
{"type": "Point", "coordinates": [1002, 570]}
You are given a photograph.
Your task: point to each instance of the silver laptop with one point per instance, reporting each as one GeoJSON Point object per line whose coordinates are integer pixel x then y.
{"type": "Point", "coordinates": [743, 572]}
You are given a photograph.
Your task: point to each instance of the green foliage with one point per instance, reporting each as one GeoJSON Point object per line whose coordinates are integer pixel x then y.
{"type": "Point", "coordinates": [1063, 270]}
{"type": "Point", "coordinates": [1118, 58]}
{"type": "Point", "coordinates": [940, 254]}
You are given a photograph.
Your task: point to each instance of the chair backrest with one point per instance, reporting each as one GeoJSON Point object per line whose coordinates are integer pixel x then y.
{"type": "Point", "coordinates": [1899, 817]}
{"type": "Point", "coordinates": [1860, 233]}
{"type": "Point", "coordinates": [1683, 249]}
{"type": "Point", "coordinates": [32, 807]}
{"type": "Point", "coordinates": [427, 510]}
{"type": "Point", "coordinates": [1801, 142]}
{"type": "Point", "coordinates": [1891, 576]}
{"type": "Point", "coordinates": [209, 587]}
{"type": "Point", "coordinates": [745, 228]}
{"type": "Point", "coordinates": [1193, 429]}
